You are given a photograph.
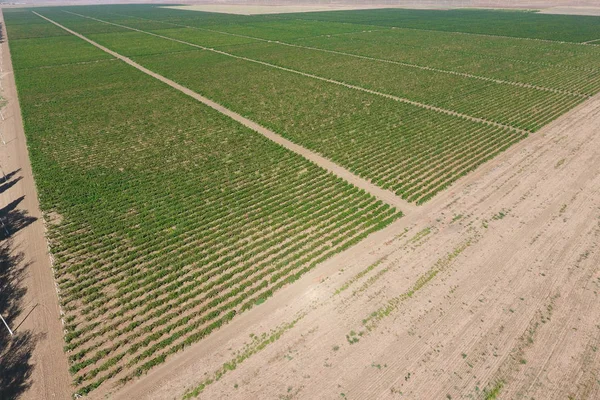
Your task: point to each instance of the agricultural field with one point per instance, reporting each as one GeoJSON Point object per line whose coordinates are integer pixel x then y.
{"type": "Point", "coordinates": [170, 219]}
{"type": "Point", "coordinates": [166, 218]}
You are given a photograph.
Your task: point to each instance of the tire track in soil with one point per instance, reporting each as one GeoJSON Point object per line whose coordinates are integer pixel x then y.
{"type": "Point", "coordinates": [536, 212]}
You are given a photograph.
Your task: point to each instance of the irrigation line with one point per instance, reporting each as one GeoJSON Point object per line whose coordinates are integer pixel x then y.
{"type": "Point", "coordinates": [382, 60]}
{"type": "Point", "coordinates": [384, 195]}
{"type": "Point", "coordinates": [359, 88]}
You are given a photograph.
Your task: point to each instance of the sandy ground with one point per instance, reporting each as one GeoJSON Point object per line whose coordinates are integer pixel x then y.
{"type": "Point", "coordinates": [573, 10]}
{"type": "Point", "coordinates": [244, 7]}
{"type": "Point", "coordinates": [34, 356]}
{"type": "Point", "coordinates": [493, 283]}
{"type": "Point", "coordinates": [547, 7]}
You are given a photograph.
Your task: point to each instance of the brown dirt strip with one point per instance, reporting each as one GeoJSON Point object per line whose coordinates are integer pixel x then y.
{"type": "Point", "coordinates": [416, 66]}
{"type": "Point", "coordinates": [383, 195]}
{"type": "Point", "coordinates": [395, 98]}
{"type": "Point", "coordinates": [456, 334]}
{"type": "Point", "coordinates": [43, 358]}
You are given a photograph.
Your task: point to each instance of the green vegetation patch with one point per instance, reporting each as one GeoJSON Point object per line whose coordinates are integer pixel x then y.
{"type": "Point", "coordinates": [174, 217]}
{"type": "Point", "coordinates": [51, 51]}
{"type": "Point", "coordinates": [132, 43]}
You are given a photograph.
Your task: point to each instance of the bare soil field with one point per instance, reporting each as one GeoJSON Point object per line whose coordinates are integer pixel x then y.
{"type": "Point", "coordinates": [582, 7]}
{"type": "Point", "coordinates": [572, 10]}
{"type": "Point", "coordinates": [492, 286]}
{"type": "Point", "coordinates": [32, 362]}
{"type": "Point", "coordinates": [545, 7]}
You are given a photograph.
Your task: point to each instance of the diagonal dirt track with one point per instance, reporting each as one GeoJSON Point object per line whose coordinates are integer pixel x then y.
{"type": "Point", "coordinates": [381, 194]}
{"type": "Point", "coordinates": [320, 78]}
{"type": "Point", "coordinates": [518, 304]}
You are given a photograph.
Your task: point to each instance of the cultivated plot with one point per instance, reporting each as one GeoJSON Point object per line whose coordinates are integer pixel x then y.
{"type": "Point", "coordinates": [167, 218]}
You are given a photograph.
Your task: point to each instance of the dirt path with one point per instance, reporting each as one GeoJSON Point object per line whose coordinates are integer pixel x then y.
{"type": "Point", "coordinates": [383, 195]}
{"type": "Point", "coordinates": [39, 365]}
{"type": "Point", "coordinates": [320, 78]}
{"type": "Point", "coordinates": [503, 275]}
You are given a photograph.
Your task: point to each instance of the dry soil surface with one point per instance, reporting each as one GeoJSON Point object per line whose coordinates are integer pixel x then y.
{"type": "Point", "coordinates": [492, 285]}
{"type": "Point", "coordinates": [584, 7]}
{"type": "Point", "coordinates": [573, 10]}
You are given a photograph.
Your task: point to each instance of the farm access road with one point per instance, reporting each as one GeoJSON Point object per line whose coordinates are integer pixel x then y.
{"type": "Point", "coordinates": [491, 286]}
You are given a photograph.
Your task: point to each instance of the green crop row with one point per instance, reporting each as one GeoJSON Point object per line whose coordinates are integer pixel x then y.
{"type": "Point", "coordinates": [574, 68]}
{"type": "Point", "coordinates": [516, 23]}
{"type": "Point", "coordinates": [556, 65]}
{"type": "Point", "coordinates": [174, 218]}
{"type": "Point", "coordinates": [370, 135]}
{"type": "Point", "coordinates": [522, 107]}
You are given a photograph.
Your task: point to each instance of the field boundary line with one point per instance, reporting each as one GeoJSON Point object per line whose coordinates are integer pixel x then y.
{"type": "Point", "coordinates": [359, 88]}
{"type": "Point", "coordinates": [591, 41]}
{"type": "Point", "coordinates": [384, 195]}
{"type": "Point", "coordinates": [383, 60]}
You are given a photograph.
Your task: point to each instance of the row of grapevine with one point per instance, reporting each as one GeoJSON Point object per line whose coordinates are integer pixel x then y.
{"type": "Point", "coordinates": [578, 77]}
{"type": "Point", "coordinates": [174, 217]}
{"type": "Point", "coordinates": [558, 65]}
{"type": "Point", "coordinates": [522, 107]}
{"type": "Point", "coordinates": [526, 25]}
